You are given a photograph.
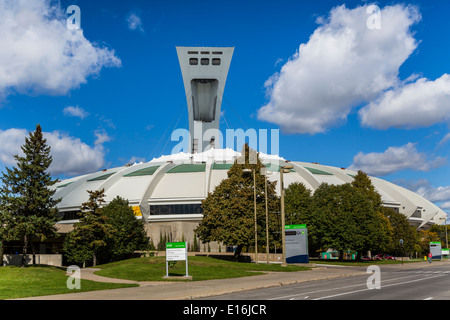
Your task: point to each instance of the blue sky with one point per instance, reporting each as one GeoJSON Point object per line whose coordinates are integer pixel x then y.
{"type": "Point", "coordinates": [356, 98]}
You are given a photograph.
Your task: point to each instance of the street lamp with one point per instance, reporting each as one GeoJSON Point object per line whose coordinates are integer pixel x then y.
{"type": "Point", "coordinates": [265, 173]}
{"type": "Point", "coordinates": [283, 169]}
{"type": "Point", "coordinates": [254, 203]}
{"type": "Point", "coordinates": [446, 238]}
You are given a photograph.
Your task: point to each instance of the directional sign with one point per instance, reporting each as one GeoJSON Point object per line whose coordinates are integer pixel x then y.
{"type": "Point", "coordinates": [436, 250]}
{"type": "Point", "coordinates": [176, 251]}
{"type": "Point", "coordinates": [296, 243]}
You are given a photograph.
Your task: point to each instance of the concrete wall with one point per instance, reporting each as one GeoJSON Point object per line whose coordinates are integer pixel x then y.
{"type": "Point", "coordinates": [178, 230]}
{"type": "Point", "coordinates": [47, 259]}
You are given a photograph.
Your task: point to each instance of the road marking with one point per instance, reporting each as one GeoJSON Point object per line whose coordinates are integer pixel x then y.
{"type": "Point", "coordinates": [384, 286]}
{"type": "Point", "coordinates": [346, 287]}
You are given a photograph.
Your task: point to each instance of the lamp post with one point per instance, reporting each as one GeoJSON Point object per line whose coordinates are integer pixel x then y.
{"type": "Point", "coordinates": [265, 173]}
{"type": "Point", "coordinates": [283, 169]}
{"type": "Point", "coordinates": [446, 238]}
{"type": "Point", "coordinates": [254, 204]}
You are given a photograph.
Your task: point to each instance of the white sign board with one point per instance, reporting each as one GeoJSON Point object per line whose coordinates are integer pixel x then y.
{"type": "Point", "coordinates": [176, 251]}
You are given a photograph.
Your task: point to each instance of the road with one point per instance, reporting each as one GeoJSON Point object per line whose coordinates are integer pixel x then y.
{"type": "Point", "coordinates": [395, 283]}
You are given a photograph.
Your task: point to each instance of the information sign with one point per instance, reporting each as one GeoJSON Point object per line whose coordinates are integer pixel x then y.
{"type": "Point", "coordinates": [436, 250]}
{"type": "Point", "coordinates": [296, 243]}
{"type": "Point", "coordinates": [176, 251]}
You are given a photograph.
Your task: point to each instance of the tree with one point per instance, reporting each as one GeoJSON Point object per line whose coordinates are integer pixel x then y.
{"type": "Point", "coordinates": [401, 230]}
{"type": "Point", "coordinates": [228, 212]}
{"type": "Point", "coordinates": [297, 202]}
{"type": "Point", "coordinates": [346, 220]}
{"type": "Point", "coordinates": [130, 234]}
{"type": "Point", "coordinates": [363, 183]}
{"type": "Point", "coordinates": [427, 236]}
{"type": "Point", "coordinates": [26, 198]}
{"type": "Point", "coordinates": [89, 235]}
{"type": "Point", "coordinates": [4, 232]}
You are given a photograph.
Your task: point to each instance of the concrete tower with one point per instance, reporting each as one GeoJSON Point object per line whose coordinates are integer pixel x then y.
{"type": "Point", "coordinates": [205, 71]}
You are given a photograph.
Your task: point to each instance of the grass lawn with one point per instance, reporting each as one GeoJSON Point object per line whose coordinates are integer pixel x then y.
{"type": "Point", "coordinates": [32, 281]}
{"type": "Point", "coordinates": [200, 268]}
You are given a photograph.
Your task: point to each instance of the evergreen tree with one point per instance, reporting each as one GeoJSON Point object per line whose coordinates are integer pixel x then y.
{"type": "Point", "coordinates": [26, 198]}
{"type": "Point", "coordinates": [228, 212]}
{"type": "Point", "coordinates": [130, 234]}
{"type": "Point", "coordinates": [89, 235]}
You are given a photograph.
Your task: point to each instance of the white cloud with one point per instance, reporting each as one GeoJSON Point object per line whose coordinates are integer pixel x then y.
{"type": "Point", "coordinates": [70, 155]}
{"type": "Point", "coordinates": [445, 139]}
{"type": "Point", "coordinates": [343, 64]}
{"type": "Point", "coordinates": [418, 104]}
{"type": "Point", "coordinates": [134, 22]}
{"type": "Point", "coordinates": [40, 55]}
{"type": "Point", "coordinates": [101, 137]}
{"type": "Point", "coordinates": [75, 112]}
{"type": "Point", "coordinates": [395, 159]}
{"type": "Point", "coordinates": [439, 195]}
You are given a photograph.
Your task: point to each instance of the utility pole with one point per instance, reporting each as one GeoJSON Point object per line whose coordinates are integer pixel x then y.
{"type": "Point", "coordinates": [283, 222]}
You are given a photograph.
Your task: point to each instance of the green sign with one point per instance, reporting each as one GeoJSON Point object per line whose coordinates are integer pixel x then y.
{"type": "Point", "coordinates": [175, 245]}
{"type": "Point", "coordinates": [295, 226]}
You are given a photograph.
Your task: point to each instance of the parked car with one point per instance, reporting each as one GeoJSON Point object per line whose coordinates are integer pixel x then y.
{"type": "Point", "coordinates": [377, 257]}
{"type": "Point", "coordinates": [365, 258]}
{"type": "Point", "coordinates": [388, 257]}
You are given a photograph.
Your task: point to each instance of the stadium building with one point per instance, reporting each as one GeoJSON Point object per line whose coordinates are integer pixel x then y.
{"type": "Point", "coordinates": [166, 193]}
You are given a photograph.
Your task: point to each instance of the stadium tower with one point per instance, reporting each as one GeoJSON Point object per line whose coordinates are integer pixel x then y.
{"type": "Point", "coordinates": [205, 71]}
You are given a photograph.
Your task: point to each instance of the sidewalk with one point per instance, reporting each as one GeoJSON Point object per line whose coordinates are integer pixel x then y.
{"type": "Point", "coordinates": [164, 290]}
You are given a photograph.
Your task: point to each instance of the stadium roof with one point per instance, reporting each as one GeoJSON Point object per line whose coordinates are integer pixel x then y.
{"type": "Point", "coordinates": [188, 178]}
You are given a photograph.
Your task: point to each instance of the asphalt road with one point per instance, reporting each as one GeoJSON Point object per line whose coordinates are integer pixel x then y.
{"type": "Point", "coordinates": [390, 283]}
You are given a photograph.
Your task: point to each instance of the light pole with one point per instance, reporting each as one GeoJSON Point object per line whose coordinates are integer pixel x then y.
{"type": "Point", "coordinates": [265, 173]}
{"type": "Point", "coordinates": [446, 238]}
{"type": "Point", "coordinates": [283, 235]}
{"type": "Point", "coordinates": [254, 204]}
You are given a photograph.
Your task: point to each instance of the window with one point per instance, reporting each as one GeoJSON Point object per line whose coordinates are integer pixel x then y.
{"type": "Point", "coordinates": [216, 62]}
{"type": "Point", "coordinates": [205, 52]}
{"type": "Point", "coordinates": [192, 52]}
{"type": "Point", "coordinates": [204, 61]}
{"type": "Point", "coordinates": [193, 61]}
{"type": "Point", "coordinates": [69, 215]}
{"type": "Point", "coordinates": [163, 209]}
{"type": "Point", "coordinates": [217, 52]}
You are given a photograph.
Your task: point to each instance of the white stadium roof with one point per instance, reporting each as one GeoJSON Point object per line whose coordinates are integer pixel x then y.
{"type": "Point", "coordinates": [186, 179]}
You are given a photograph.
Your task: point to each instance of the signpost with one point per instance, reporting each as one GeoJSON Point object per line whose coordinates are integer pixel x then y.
{"type": "Point", "coordinates": [176, 251]}
{"type": "Point", "coordinates": [436, 250]}
{"type": "Point", "coordinates": [296, 243]}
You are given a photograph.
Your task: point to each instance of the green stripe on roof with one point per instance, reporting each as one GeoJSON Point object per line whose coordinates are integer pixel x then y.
{"type": "Point", "coordinates": [64, 185]}
{"type": "Point", "coordinates": [221, 166]}
{"type": "Point", "coordinates": [317, 171]}
{"type": "Point", "coordinates": [103, 177]}
{"type": "Point", "coordinates": [183, 168]}
{"type": "Point", "coordinates": [143, 172]}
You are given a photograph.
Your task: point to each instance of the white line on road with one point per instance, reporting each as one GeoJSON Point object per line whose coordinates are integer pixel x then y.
{"type": "Point", "coordinates": [329, 289]}
{"type": "Point", "coordinates": [384, 286]}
